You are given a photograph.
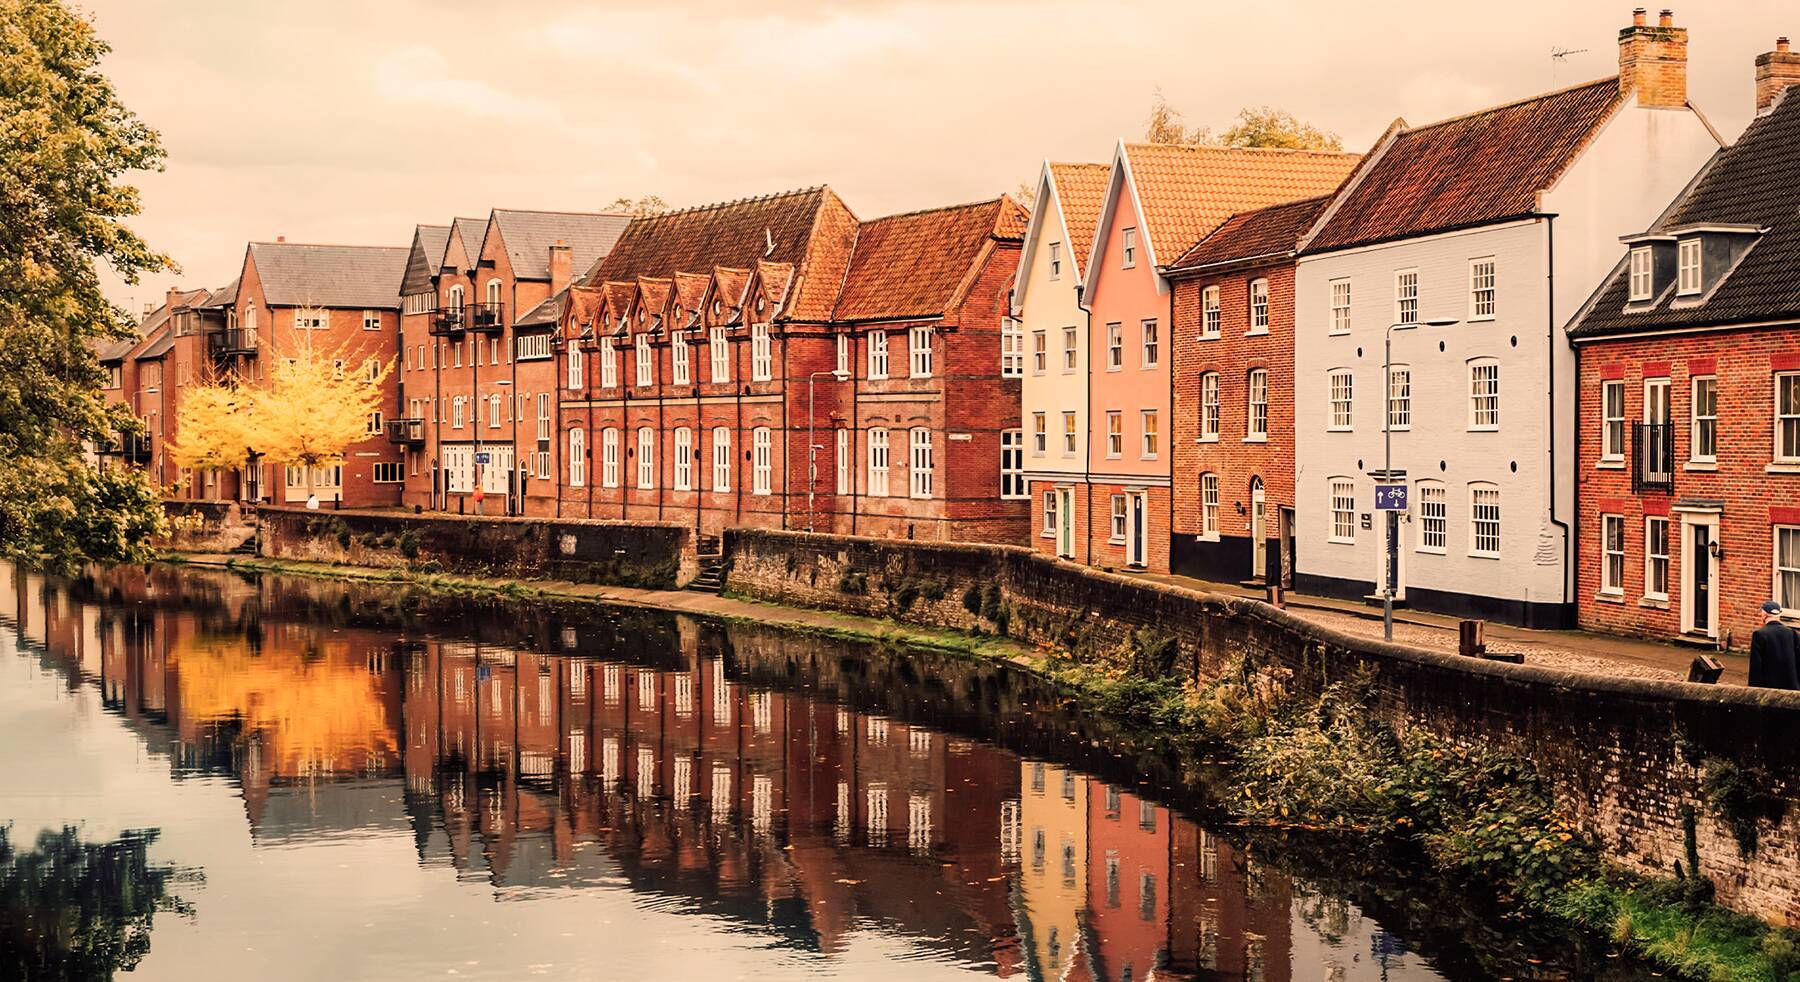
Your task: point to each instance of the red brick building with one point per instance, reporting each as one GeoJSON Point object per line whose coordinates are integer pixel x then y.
{"type": "Point", "coordinates": [708, 347]}
{"type": "Point", "coordinates": [1232, 334]}
{"type": "Point", "coordinates": [1689, 406]}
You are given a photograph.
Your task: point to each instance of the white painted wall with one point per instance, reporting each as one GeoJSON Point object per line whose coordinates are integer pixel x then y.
{"type": "Point", "coordinates": [1050, 305]}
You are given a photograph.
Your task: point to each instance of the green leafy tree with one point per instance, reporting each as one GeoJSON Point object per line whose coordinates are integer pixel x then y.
{"type": "Point", "coordinates": [65, 143]}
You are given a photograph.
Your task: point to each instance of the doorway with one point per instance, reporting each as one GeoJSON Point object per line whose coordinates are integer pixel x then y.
{"type": "Point", "coordinates": [1065, 522]}
{"type": "Point", "coordinates": [1135, 537]}
{"type": "Point", "coordinates": [1700, 575]}
{"type": "Point", "coordinates": [1259, 534]}
{"type": "Point", "coordinates": [1285, 529]}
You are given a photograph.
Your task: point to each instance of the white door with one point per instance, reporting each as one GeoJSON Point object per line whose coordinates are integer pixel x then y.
{"type": "Point", "coordinates": [1065, 523]}
{"type": "Point", "coordinates": [1700, 575]}
{"type": "Point", "coordinates": [1136, 535]}
{"type": "Point", "coordinates": [1259, 534]}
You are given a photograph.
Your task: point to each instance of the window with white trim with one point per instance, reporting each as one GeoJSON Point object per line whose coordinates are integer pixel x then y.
{"type": "Point", "coordinates": [1399, 407]}
{"type": "Point", "coordinates": [1434, 517]}
{"type": "Point", "coordinates": [1787, 417]}
{"type": "Point", "coordinates": [761, 461]}
{"type": "Point", "coordinates": [1787, 567]}
{"type": "Point", "coordinates": [679, 358]}
{"type": "Point", "coordinates": [494, 406]}
{"type": "Point", "coordinates": [1210, 317]}
{"type": "Point", "coordinates": [646, 458]}
{"type": "Point", "coordinates": [878, 463]}
{"type": "Point", "coordinates": [1115, 433]}
{"type": "Point", "coordinates": [1340, 306]}
{"type": "Point", "coordinates": [1343, 509]}
{"type": "Point", "coordinates": [1687, 267]}
{"type": "Point", "coordinates": [1612, 420]}
{"type": "Point", "coordinates": [878, 354]}
{"type": "Point", "coordinates": [1040, 352]}
{"type": "Point", "coordinates": [574, 364]}
{"type": "Point", "coordinates": [1209, 405]}
{"type": "Point", "coordinates": [721, 456]}
{"type": "Point", "coordinates": [1070, 434]}
{"type": "Point", "coordinates": [1256, 423]}
{"type": "Point", "coordinates": [841, 459]}
{"type": "Point", "coordinates": [1259, 306]}
{"type": "Point", "coordinates": [842, 365]}
{"type": "Point", "coordinates": [1406, 296]}
{"type": "Point", "coordinates": [456, 412]}
{"type": "Point", "coordinates": [1483, 291]}
{"type": "Point", "coordinates": [1056, 260]}
{"type": "Point", "coordinates": [1128, 248]}
{"type": "Point", "coordinates": [1484, 394]}
{"type": "Point", "coordinates": [577, 458]}
{"type": "Point", "coordinates": [374, 424]}
{"type": "Point", "coordinates": [646, 364]}
{"type": "Point", "coordinates": [762, 355]}
{"type": "Point", "coordinates": [1116, 528]}
{"type": "Point", "coordinates": [1012, 464]}
{"type": "Point", "coordinates": [1209, 505]}
{"type": "Point", "coordinates": [609, 363]}
{"type": "Point", "coordinates": [1152, 344]}
{"type": "Point", "coordinates": [1703, 440]}
{"type": "Point", "coordinates": [921, 469]}
{"type": "Point", "coordinates": [1643, 277]}
{"type": "Point", "coordinates": [1012, 349]}
{"type": "Point", "coordinates": [1484, 520]}
{"type": "Point", "coordinates": [371, 320]}
{"type": "Point", "coordinates": [1115, 347]}
{"type": "Point", "coordinates": [1343, 391]}
{"type": "Point", "coordinates": [1612, 555]}
{"type": "Point", "coordinates": [1071, 350]}
{"type": "Point", "coordinates": [1040, 434]}
{"type": "Point", "coordinates": [311, 319]}
{"type": "Point", "coordinates": [389, 472]}
{"type": "Point", "coordinates": [684, 459]}
{"type": "Point", "coordinates": [1049, 513]}
{"type": "Point", "coordinates": [529, 347]}
{"type": "Point", "coordinates": [1656, 557]}
{"type": "Point", "coordinates": [609, 457]}
{"type": "Point", "coordinates": [543, 416]}
{"type": "Point", "coordinates": [718, 350]}
{"type": "Point", "coordinates": [1150, 444]}
{"type": "Point", "coordinates": [918, 347]}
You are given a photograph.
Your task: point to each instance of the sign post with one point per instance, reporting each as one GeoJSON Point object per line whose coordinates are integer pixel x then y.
{"type": "Point", "coordinates": [1390, 500]}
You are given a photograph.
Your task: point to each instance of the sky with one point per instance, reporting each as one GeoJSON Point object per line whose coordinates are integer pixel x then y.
{"type": "Point", "coordinates": [352, 121]}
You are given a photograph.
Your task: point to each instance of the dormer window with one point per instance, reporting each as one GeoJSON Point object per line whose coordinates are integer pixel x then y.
{"type": "Point", "coordinates": [1642, 276]}
{"type": "Point", "coordinates": [1688, 267]}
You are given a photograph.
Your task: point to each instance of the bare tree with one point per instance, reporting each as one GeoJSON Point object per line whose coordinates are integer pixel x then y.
{"type": "Point", "coordinates": [649, 204]}
{"type": "Point", "coordinates": [1256, 126]}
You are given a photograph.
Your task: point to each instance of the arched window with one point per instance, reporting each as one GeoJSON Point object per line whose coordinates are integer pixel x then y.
{"type": "Point", "coordinates": [646, 458]}
{"type": "Point", "coordinates": [577, 458]}
{"type": "Point", "coordinates": [455, 299]}
{"type": "Point", "coordinates": [684, 459]}
{"type": "Point", "coordinates": [762, 462]}
{"type": "Point", "coordinates": [721, 459]}
{"type": "Point", "coordinates": [493, 291]}
{"type": "Point", "coordinates": [609, 457]}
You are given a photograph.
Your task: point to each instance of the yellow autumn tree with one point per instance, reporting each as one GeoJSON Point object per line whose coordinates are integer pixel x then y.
{"type": "Point", "coordinates": [210, 427]}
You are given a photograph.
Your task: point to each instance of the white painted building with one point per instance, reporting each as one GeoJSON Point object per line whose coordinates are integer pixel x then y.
{"type": "Point", "coordinates": [1503, 221]}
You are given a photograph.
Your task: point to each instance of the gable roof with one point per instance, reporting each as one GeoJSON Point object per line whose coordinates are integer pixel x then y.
{"type": "Point", "coordinates": [464, 243]}
{"type": "Point", "coordinates": [1749, 185]}
{"type": "Point", "coordinates": [1266, 233]}
{"type": "Point", "coordinates": [528, 236]}
{"type": "Point", "coordinates": [920, 264]}
{"type": "Point", "coordinates": [298, 275]}
{"type": "Point", "coordinates": [1080, 191]}
{"type": "Point", "coordinates": [159, 345]}
{"type": "Point", "coordinates": [1483, 167]}
{"type": "Point", "coordinates": [425, 258]}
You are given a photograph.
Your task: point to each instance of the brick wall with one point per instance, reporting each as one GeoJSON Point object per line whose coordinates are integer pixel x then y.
{"type": "Point", "coordinates": [1623, 755]}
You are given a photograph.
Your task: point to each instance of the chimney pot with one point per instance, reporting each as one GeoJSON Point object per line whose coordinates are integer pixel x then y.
{"type": "Point", "coordinates": [1781, 45]}
{"type": "Point", "coordinates": [1639, 17]}
{"type": "Point", "coordinates": [1653, 62]}
{"type": "Point", "coordinates": [1666, 18]}
{"type": "Point", "coordinates": [1776, 71]}
{"type": "Point", "coordinates": [281, 238]}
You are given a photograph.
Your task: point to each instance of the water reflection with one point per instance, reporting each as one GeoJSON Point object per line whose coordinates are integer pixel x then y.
{"type": "Point", "coordinates": [760, 782]}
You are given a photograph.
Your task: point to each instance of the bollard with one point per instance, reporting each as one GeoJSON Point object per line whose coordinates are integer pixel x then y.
{"type": "Point", "coordinates": [1705, 670]}
{"type": "Point", "coordinates": [1471, 640]}
{"type": "Point", "coordinates": [1277, 597]}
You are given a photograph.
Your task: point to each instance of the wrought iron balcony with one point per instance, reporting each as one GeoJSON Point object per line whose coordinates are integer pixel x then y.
{"type": "Point", "coordinates": [230, 342]}
{"type": "Point", "coordinates": [406, 432]}
{"type": "Point", "coordinates": [1653, 457]}
{"type": "Point", "coordinates": [448, 321]}
{"type": "Point", "coordinates": [486, 318]}
{"type": "Point", "coordinates": [136, 448]}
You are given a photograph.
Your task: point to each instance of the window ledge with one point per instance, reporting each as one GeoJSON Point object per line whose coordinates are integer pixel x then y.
{"type": "Point", "coordinates": [1654, 603]}
{"type": "Point", "coordinates": [1431, 552]}
{"type": "Point", "coordinates": [1482, 320]}
{"type": "Point", "coordinates": [1208, 337]}
{"type": "Point", "coordinates": [1257, 334]}
{"type": "Point", "coordinates": [1207, 537]}
{"type": "Point", "coordinates": [1116, 541]}
{"type": "Point", "coordinates": [1609, 465]}
{"type": "Point", "coordinates": [1340, 429]}
{"type": "Point", "coordinates": [1609, 598]}
{"type": "Point", "coordinates": [1256, 439]}
{"type": "Point", "coordinates": [1783, 467]}
{"type": "Point", "coordinates": [1046, 535]}
{"type": "Point", "coordinates": [1484, 429]}
{"type": "Point", "coordinates": [1341, 542]}
{"type": "Point", "coordinates": [1206, 439]}
{"type": "Point", "coordinates": [1701, 466]}
{"type": "Point", "coordinates": [1484, 555]}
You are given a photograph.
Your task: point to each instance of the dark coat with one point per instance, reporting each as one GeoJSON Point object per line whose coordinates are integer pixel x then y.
{"type": "Point", "coordinates": [1775, 657]}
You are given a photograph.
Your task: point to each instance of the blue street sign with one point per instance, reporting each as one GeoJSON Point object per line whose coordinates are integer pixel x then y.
{"type": "Point", "coordinates": [1390, 497]}
{"type": "Point", "coordinates": [482, 457]}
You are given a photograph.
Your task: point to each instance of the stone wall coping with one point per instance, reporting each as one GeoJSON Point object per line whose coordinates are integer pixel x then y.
{"type": "Point", "coordinates": [430, 516]}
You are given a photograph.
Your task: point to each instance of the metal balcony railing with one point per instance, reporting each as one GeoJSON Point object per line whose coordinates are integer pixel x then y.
{"type": "Point", "coordinates": [1653, 457]}
{"type": "Point", "coordinates": [486, 318]}
{"type": "Point", "coordinates": [232, 341]}
{"type": "Point", "coordinates": [448, 321]}
{"type": "Point", "coordinates": [406, 432]}
{"type": "Point", "coordinates": [136, 448]}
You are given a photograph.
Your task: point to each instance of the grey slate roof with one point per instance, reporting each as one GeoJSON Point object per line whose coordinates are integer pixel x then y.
{"type": "Point", "coordinates": [157, 348]}
{"type": "Point", "coordinates": [224, 296]}
{"type": "Point", "coordinates": [115, 350]}
{"type": "Point", "coordinates": [471, 231]}
{"type": "Point", "coordinates": [297, 275]}
{"type": "Point", "coordinates": [424, 259]}
{"type": "Point", "coordinates": [530, 234]}
{"type": "Point", "coordinates": [547, 312]}
{"type": "Point", "coordinates": [1752, 182]}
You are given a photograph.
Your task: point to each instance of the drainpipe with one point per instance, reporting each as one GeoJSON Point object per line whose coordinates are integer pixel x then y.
{"type": "Point", "coordinates": [516, 501]}
{"type": "Point", "coordinates": [1087, 419]}
{"type": "Point", "coordinates": [786, 458]}
{"type": "Point", "coordinates": [1569, 540]}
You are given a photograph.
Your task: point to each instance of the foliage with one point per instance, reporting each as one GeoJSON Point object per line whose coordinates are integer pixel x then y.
{"type": "Point", "coordinates": [1741, 799]}
{"type": "Point", "coordinates": [65, 143]}
{"type": "Point", "coordinates": [1256, 126]}
{"type": "Point", "coordinates": [211, 427]}
{"type": "Point", "coordinates": [642, 207]}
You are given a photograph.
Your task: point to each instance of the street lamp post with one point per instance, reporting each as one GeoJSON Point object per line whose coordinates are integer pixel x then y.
{"type": "Point", "coordinates": [1391, 582]}
{"type": "Point", "coordinates": [812, 446]}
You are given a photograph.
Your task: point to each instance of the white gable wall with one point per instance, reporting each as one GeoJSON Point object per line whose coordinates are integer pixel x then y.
{"type": "Point", "coordinates": [1050, 306]}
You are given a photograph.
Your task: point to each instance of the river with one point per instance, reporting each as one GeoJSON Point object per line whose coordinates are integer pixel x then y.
{"type": "Point", "coordinates": [209, 775]}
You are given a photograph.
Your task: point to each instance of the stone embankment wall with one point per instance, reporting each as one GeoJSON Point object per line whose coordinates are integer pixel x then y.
{"type": "Point", "coordinates": [1626, 756]}
{"type": "Point", "coordinates": [205, 526]}
{"type": "Point", "coordinates": [640, 554]}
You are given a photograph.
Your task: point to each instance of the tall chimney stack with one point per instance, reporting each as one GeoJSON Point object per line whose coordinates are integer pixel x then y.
{"type": "Point", "coordinates": [561, 267]}
{"type": "Point", "coordinates": [1653, 61]}
{"type": "Point", "coordinates": [1775, 71]}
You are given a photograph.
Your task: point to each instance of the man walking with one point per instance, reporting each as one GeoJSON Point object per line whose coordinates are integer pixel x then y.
{"type": "Point", "coordinates": [1774, 658]}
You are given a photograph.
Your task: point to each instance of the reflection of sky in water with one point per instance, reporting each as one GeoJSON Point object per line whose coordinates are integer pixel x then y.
{"type": "Point", "coordinates": [282, 773]}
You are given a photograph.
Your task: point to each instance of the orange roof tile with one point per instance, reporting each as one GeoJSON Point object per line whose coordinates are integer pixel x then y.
{"type": "Point", "coordinates": [690, 293]}
{"type": "Point", "coordinates": [1185, 191]}
{"type": "Point", "coordinates": [1081, 190]}
{"type": "Point", "coordinates": [584, 306]}
{"type": "Point", "coordinates": [917, 264]}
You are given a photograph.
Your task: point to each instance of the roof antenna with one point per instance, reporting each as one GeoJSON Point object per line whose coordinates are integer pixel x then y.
{"type": "Point", "coordinates": [769, 238]}
{"type": "Point", "coordinates": [1559, 56]}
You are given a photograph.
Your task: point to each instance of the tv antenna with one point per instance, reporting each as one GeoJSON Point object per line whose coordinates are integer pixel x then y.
{"type": "Point", "coordinates": [1560, 55]}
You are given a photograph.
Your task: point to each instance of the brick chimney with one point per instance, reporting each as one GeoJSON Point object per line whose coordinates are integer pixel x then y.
{"type": "Point", "coordinates": [1653, 61]}
{"type": "Point", "coordinates": [1775, 71]}
{"type": "Point", "coordinates": [561, 268]}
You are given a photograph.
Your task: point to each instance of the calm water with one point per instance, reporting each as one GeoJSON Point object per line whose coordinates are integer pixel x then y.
{"type": "Point", "coordinates": [217, 777]}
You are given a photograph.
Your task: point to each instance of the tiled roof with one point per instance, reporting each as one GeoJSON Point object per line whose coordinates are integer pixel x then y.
{"type": "Point", "coordinates": [468, 235]}
{"type": "Point", "coordinates": [727, 288]}
{"type": "Point", "coordinates": [528, 236]}
{"type": "Point", "coordinates": [224, 296]}
{"type": "Point", "coordinates": [115, 350]}
{"type": "Point", "coordinates": [1266, 232]}
{"type": "Point", "coordinates": [918, 264]}
{"type": "Point", "coordinates": [584, 304]}
{"type": "Point", "coordinates": [159, 346]}
{"type": "Point", "coordinates": [774, 280]}
{"type": "Point", "coordinates": [1081, 190]}
{"type": "Point", "coordinates": [690, 290]}
{"type": "Point", "coordinates": [1185, 191]}
{"type": "Point", "coordinates": [1751, 183]}
{"type": "Point", "coordinates": [546, 312]}
{"type": "Point", "coordinates": [616, 300]}
{"type": "Point", "coordinates": [296, 275]}
{"type": "Point", "coordinates": [424, 259]}
{"type": "Point", "coordinates": [1484, 167]}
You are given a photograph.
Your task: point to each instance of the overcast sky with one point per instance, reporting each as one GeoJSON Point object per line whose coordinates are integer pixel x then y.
{"type": "Point", "coordinates": [351, 121]}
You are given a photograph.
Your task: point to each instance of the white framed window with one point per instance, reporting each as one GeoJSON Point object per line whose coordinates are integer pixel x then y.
{"type": "Point", "coordinates": [574, 363]}
{"type": "Point", "coordinates": [1406, 296]}
{"type": "Point", "coordinates": [1343, 509]}
{"type": "Point", "coordinates": [1040, 434]}
{"type": "Point", "coordinates": [311, 319]}
{"type": "Point", "coordinates": [718, 351]}
{"type": "Point", "coordinates": [918, 348]}
{"type": "Point", "coordinates": [389, 472]}
{"type": "Point", "coordinates": [493, 291]}
{"type": "Point", "coordinates": [878, 463]}
{"type": "Point", "coordinates": [679, 358]}
{"type": "Point", "coordinates": [921, 469]}
{"type": "Point", "coordinates": [1434, 517]}
{"type": "Point", "coordinates": [1484, 394]}
{"type": "Point", "coordinates": [1071, 350]}
{"type": "Point", "coordinates": [1612, 420]}
{"type": "Point", "coordinates": [609, 363]}
{"type": "Point", "coordinates": [1343, 391]}
{"type": "Point", "coordinates": [1012, 464]}
{"type": "Point", "coordinates": [1643, 277]}
{"type": "Point", "coordinates": [1340, 306]}
{"type": "Point", "coordinates": [1152, 344]}
{"type": "Point", "coordinates": [609, 457]}
{"type": "Point", "coordinates": [577, 458]}
{"type": "Point", "coordinates": [761, 461]}
{"type": "Point", "coordinates": [646, 363]}
{"type": "Point", "coordinates": [1012, 349]}
{"type": "Point", "coordinates": [1115, 433]}
{"type": "Point", "coordinates": [1150, 443]}
{"type": "Point", "coordinates": [842, 364]}
{"type": "Point", "coordinates": [456, 412]}
{"type": "Point", "coordinates": [1399, 402]}
{"type": "Point", "coordinates": [721, 455]}
{"type": "Point", "coordinates": [1687, 267]}
{"type": "Point", "coordinates": [1049, 513]}
{"type": "Point", "coordinates": [684, 459]}
{"type": "Point", "coordinates": [878, 354]}
{"type": "Point", "coordinates": [1128, 248]}
{"type": "Point", "coordinates": [1056, 260]}
{"type": "Point", "coordinates": [1787, 417]}
{"type": "Point", "coordinates": [1115, 347]}
{"type": "Point", "coordinates": [1116, 528]}
{"type": "Point", "coordinates": [530, 347]}
{"type": "Point", "coordinates": [371, 320]}
{"type": "Point", "coordinates": [762, 355]}
{"type": "Point", "coordinates": [1484, 521]}
{"type": "Point", "coordinates": [374, 424]}
{"type": "Point", "coordinates": [1210, 316]}
{"type": "Point", "coordinates": [1070, 434]}
{"type": "Point", "coordinates": [1256, 421]}
{"type": "Point", "coordinates": [1656, 557]}
{"type": "Point", "coordinates": [1209, 405]}
{"type": "Point", "coordinates": [841, 460]}
{"type": "Point", "coordinates": [1787, 567]}
{"type": "Point", "coordinates": [1259, 306]}
{"type": "Point", "coordinates": [646, 458]}
{"type": "Point", "coordinates": [494, 406]}
{"type": "Point", "coordinates": [1040, 352]}
{"type": "Point", "coordinates": [1703, 440]}
{"type": "Point", "coordinates": [1612, 555]}
{"type": "Point", "coordinates": [1209, 506]}
{"type": "Point", "coordinates": [1483, 290]}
